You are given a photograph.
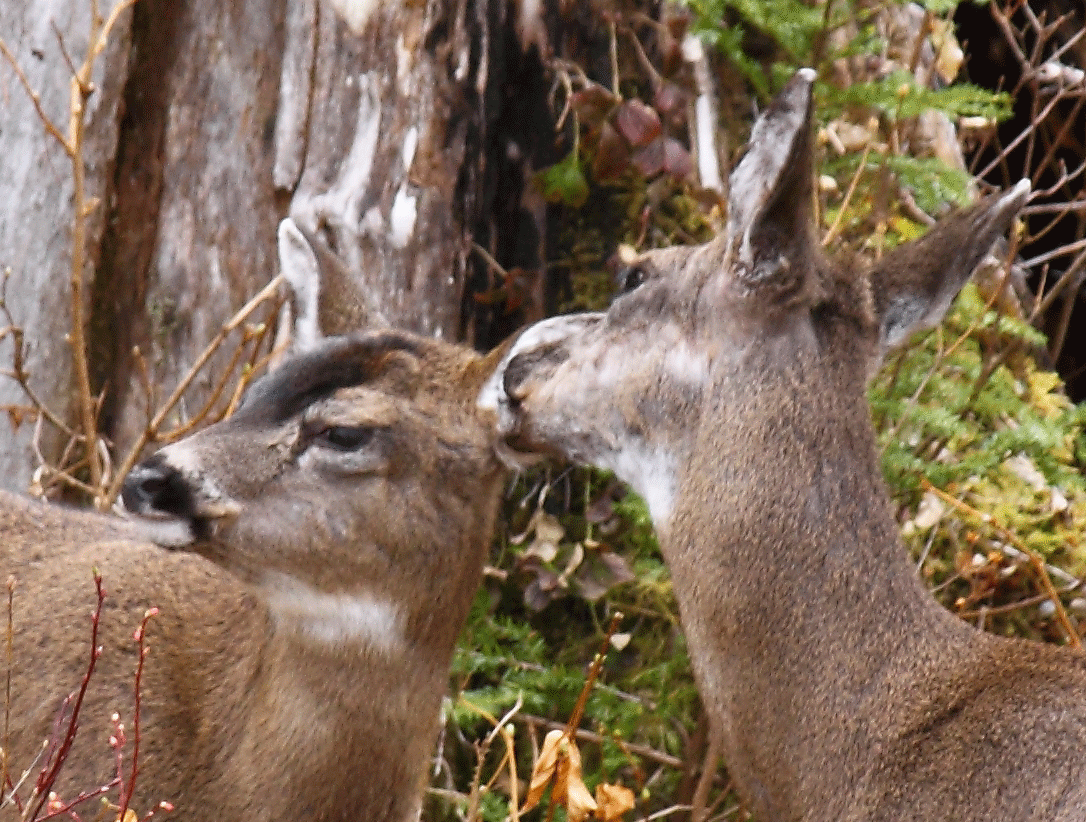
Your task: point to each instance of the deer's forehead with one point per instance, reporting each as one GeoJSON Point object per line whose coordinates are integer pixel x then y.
{"type": "Point", "coordinates": [341, 362]}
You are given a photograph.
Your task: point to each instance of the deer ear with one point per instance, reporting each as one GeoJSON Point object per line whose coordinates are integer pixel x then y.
{"type": "Point", "coordinates": [914, 285]}
{"type": "Point", "coordinates": [298, 263]}
{"type": "Point", "coordinates": [769, 198]}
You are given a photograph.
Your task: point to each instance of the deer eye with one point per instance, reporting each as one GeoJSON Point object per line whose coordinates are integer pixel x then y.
{"type": "Point", "coordinates": [345, 437]}
{"type": "Point", "coordinates": [630, 277]}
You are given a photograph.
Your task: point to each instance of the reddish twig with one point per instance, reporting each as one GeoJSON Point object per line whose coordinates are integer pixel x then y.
{"type": "Point", "coordinates": [128, 789]}
{"type": "Point", "coordinates": [47, 777]}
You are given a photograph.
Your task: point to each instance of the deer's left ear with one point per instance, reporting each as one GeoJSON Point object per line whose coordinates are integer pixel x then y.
{"type": "Point", "coordinates": [299, 266]}
{"type": "Point", "coordinates": [769, 199]}
{"type": "Point", "coordinates": [914, 285]}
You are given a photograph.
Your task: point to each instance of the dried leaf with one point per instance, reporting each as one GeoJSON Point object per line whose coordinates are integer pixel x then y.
{"type": "Point", "coordinates": [569, 787]}
{"type": "Point", "coordinates": [600, 510]}
{"type": "Point", "coordinates": [579, 802]}
{"type": "Point", "coordinates": [560, 763]}
{"type": "Point", "coordinates": [612, 154]}
{"type": "Point", "coordinates": [544, 770]}
{"type": "Point", "coordinates": [677, 160]}
{"type": "Point", "coordinates": [928, 514]}
{"type": "Point", "coordinates": [637, 122]}
{"type": "Point", "coordinates": [590, 586]}
{"type": "Point", "coordinates": [575, 560]}
{"type": "Point", "coordinates": [543, 590]}
{"type": "Point", "coordinates": [548, 528]}
{"type": "Point", "coordinates": [650, 159]}
{"type": "Point", "coordinates": [620, 641]}
{"type": "Point", "coordinates": [543, 551]}
{"type": "Point", "coordinates": [593, 103]}
{"type": "Point", "coordinates": [669, 98]}
{"type": "Point", "coordinates": [619, 568]}
{"type": "Point", "coordinates": [601, 572]}
{"type": "Point", "coordinates": [613, 801]}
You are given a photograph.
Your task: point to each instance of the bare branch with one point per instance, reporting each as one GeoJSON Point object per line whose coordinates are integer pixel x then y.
{"type": "Point", "coordinates": [50, 127]}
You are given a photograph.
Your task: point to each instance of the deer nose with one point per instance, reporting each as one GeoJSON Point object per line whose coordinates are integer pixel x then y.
{"type": "Point", "coordinates": [513, 378]}
{"type": "Point", "coordinates": [154, 487]}
{"type": "Point", "coordinates": [526, 364]}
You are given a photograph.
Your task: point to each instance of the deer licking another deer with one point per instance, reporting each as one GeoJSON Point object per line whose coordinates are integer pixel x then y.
{"type": "Point", "coordinates": [327, 540]}
{"type": "Point", "coordinates": [728, 388]}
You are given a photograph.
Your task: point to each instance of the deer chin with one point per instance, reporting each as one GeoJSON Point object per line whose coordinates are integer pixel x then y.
{"type": "Point", "coordinates": [165, 530]}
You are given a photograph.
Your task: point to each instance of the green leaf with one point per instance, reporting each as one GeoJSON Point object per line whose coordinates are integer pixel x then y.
{"type": "Point", "coordinates": [564, 182]}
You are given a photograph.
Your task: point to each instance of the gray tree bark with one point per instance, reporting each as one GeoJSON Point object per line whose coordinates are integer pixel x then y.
{"type": "Point", "coordinates": [211, 122]}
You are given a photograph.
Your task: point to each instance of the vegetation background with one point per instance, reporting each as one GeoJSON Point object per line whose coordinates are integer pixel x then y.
{"type": "Point", "coordinates": [151, 149]}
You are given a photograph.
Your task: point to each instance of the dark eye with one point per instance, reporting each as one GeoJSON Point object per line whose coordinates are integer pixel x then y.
{"type": "Point", "coordinates": [345, 437]}
{"type": "Point", "coordinates": [630, 277]}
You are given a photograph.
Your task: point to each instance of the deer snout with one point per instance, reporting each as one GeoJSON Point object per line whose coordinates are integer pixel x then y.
{"type": "Point", "coordinates": [172, 505]}
{"type": "Point", "coordinates": [156, 489]}
{"type": "Point", "coordinates": [160, 501]}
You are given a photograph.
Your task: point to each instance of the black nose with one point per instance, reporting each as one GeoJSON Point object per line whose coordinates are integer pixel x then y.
{"type": "Point", "coordinates": [516, 372]}
{"type": "Point", "coordinates": [156, 487]}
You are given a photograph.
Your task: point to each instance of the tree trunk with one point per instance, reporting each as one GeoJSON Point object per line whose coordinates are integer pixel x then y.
{"type": "Point", "coordinates": [213, 121]}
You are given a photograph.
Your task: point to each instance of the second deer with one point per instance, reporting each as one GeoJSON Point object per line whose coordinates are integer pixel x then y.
{"type": "Point", "coordinates": [728, 388]}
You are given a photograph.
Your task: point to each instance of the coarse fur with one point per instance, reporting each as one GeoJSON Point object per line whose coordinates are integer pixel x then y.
{"type": "Point", "coordinates": [327, 540]}
{"type": "Point", "coordinates": [841, 690]}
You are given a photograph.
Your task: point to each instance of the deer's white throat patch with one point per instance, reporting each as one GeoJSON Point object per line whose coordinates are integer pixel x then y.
{"type": "Point", "coordinates": [360, 618]}
{"type": "Point", "coordinates": [650, 471]}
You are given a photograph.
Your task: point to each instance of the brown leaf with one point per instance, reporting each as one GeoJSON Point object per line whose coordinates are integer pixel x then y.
{"type": "Point", "coordinates": [543, 551]}
{"type": "Point", "coordinates": [677, 160]}
{"type": "Point", "coordinates": [650, 159]}
{"type": "Point", "coordinates": [601, 572]}
{"type": "Point", "coordinates": [612, 154]}
{"type": "Point", "coordinates": [637, 122]}
{"type": "Point", "coordinates": [548, 528]}
{"type": "Point", "coordinates": [600, 510]}
{"type": "Point", "coordinates": [544, 770]}
{"type": "Point", "coordinates": [579, 802]}
{"type": "Point", "coordinates": [543, 590]}
{"type": "Point", "coordinates": [569, 787]}
{"type": "Point", "coordinates": [669, 98]}
{"type": "Point", "coordinates": [592, 104]}
{"type": "Point", "coordinates": [613, 801]}
{"type": "Point", "coordinates": [559, 764]}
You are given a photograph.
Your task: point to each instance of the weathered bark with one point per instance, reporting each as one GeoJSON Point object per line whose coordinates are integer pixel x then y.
{"type": "Point", "coordinates": [213, 121]}
{"type": "Point", "coordinates": [36, 204]}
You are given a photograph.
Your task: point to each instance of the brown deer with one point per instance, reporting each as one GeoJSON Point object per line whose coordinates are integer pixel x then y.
{"type": "Point", "coordinates": [728, 388]}
{"type": "Point", "coordinates": [325, 544]}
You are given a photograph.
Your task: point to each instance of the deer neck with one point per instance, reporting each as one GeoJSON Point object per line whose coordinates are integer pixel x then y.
{"type": "Point", "coordinates": [790, 575]}
{"type": "Point", "coordinates": [307, 679]}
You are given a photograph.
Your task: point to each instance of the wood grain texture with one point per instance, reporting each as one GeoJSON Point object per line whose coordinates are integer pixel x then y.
{"type": "Point", "coordinates": [36, 200]}
{"type": "Point", "coordinates": [213, 122]}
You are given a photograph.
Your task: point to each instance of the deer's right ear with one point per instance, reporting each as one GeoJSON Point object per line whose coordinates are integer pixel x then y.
{"type": "Point", "coordinates": [770, 227]}
{"type": "Point", "coordinates": [914, 285]}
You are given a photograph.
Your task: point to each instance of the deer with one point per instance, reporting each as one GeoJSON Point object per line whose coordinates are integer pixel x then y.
{"type": "Point", "coordinates": [312, 558]}
{"type": "Point", "coordinates": [727, 388]}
